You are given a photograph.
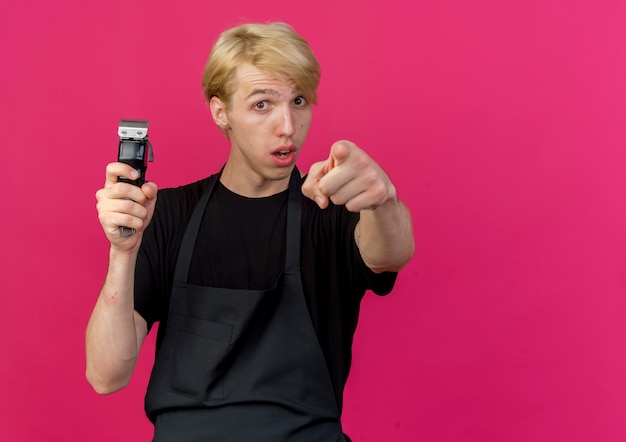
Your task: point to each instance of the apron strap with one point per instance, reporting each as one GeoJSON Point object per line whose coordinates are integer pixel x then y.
{"type": "Point", "coordinates": [183, 262]}
{"type": "Point", "coordinates": [294, 223]}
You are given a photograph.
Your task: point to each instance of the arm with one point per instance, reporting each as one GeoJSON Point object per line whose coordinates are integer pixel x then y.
{"type": "Point", "coordinates": [349, 176]}
{"type": "Point", "coordinates": [385, 237]}
{"type": "Point", "coordinates": [115, 331]}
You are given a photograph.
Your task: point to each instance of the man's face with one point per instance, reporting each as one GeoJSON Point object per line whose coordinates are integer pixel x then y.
{"type": "Point", "coordinates": [267, 122]}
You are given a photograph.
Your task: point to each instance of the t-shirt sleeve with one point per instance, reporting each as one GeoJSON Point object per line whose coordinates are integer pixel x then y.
{"type": "Point", "coordinates": [151, 267]}
{"type": "Point", "coordinates": [338, 257]}
{"type": "Point", "coordinates": [145, 282]}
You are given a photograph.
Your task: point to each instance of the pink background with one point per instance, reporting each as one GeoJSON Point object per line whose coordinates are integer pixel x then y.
{"type": "Point", "coordinates": [502, 124]}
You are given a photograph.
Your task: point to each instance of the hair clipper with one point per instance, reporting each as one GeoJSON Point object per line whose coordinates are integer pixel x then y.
{"type": "Point", "coordinates": [135, 150]}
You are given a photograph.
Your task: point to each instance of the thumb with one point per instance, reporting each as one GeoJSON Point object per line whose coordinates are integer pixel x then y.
{"type": "Point", "coordinates": [150, 189]}
{"type": "Point", "coordinates": [310, 187]}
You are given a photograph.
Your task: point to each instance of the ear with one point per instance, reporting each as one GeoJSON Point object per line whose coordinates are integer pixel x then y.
{"type": "Point", "coordinates": [218, 112]}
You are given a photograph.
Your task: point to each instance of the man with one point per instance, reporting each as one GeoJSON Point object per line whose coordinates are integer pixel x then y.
{"type": "Point", "coordinates": [254, 276]}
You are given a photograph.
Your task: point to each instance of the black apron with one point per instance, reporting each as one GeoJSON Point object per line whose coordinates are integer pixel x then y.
{"type": "Point", "coordinates": [242, 365]}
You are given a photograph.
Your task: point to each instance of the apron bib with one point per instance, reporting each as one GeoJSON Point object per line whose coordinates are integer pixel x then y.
{"type": "Point", "coordinates": [242, 365]}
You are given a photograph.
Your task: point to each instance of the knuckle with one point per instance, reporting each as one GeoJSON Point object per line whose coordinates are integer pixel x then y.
{"type": "Point", "coordinates": [336, 200]}
{"type": "Point", "coordinates": [142, 213]}
{"type": "Point", "coordinates": [129, 221]}
{"type": "Point", "coordinates": [127, 205]}
{"type": "Point", "coordinates": [363, 162]}
{"type": "Point", "coordinates": [380, 190]}
{"type": "Point", "coordinates": [351, 206]}
{"type": "Point", "coordinates": [113, 191]}
{"type": "Point", "coordinates": [323, 188]}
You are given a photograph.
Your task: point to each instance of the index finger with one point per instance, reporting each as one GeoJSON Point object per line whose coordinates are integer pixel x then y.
{"type": "Point", "coordinates": [116, 170]}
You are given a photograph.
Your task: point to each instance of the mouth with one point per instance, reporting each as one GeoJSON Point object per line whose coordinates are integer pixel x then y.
{"type": "Point", "coordinates": [282, 153]}
{"type": "Point", "coordinates": [284, 156]}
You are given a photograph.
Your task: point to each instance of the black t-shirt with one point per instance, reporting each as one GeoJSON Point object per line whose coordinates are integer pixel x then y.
{"type": "Point", "coordinates": [241, 245]}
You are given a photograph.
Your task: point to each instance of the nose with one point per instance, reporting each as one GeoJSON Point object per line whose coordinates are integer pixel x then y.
{"type": "Point", "coordinates": [286, 123]}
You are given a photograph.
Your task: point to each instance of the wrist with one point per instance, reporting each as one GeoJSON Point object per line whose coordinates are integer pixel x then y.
{"type": "Point", "coordinates": [123, 257]}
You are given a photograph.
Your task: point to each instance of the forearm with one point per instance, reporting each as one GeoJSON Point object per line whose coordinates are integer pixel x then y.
{"type": "Point", "coordinates": [384, 233]}
{"type": "Point", "coordinates": [385, 236]}
{"type": "Point", "coordinates": [113, 336]}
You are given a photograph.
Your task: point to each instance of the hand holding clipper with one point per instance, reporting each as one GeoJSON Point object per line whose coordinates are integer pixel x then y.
{"type": "Point", "coordinates": [135, 150]}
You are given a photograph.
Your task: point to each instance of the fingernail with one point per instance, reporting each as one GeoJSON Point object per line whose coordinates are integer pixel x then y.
{"type": "Point", "coordinates": [319, 200]}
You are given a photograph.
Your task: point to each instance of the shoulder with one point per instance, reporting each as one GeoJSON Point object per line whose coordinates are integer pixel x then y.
{"type": "Point", "coordinates": [182, 198]}
{"type": "Point", "coordinates": [175, 205]}
{"type": "Point", "coordinates": [184, 194]}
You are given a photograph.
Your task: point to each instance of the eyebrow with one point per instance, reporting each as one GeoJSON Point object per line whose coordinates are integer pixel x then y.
{"type": "Point", "coordinates": [268, 91]}
{"type": "Point", "coordinates": [262, 92]}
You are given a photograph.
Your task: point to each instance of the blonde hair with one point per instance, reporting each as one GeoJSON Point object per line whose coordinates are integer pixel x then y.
{"type": "Point", "coordinates": [274, 47]}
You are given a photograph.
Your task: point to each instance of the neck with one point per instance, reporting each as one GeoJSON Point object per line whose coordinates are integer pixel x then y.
{"type": "Point", "coordinates": [251, 184]}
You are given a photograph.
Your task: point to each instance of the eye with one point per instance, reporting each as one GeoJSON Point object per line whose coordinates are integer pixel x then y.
{"type": "Point", "coordinates": [261, 105]}
{"type": "Point", "coordinates": [300, 101]}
